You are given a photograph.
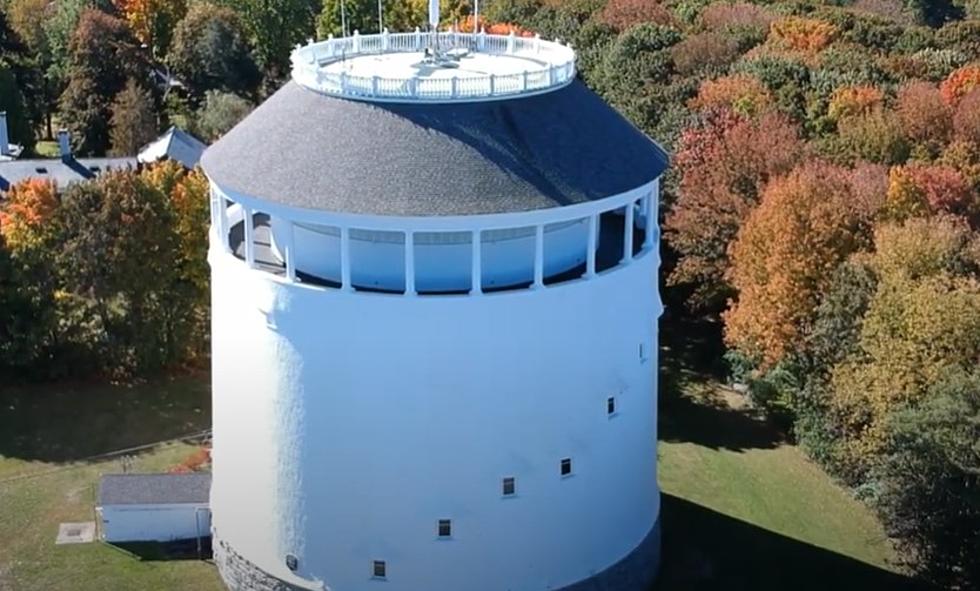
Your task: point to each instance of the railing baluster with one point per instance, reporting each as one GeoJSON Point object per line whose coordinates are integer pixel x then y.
{"type": "Point", "coordinates": [593, 245]}
{"type": "Point", "coordinates": [345, 274]}
{"type": "Point", "coordinates": [249, 236]}
{"type": "Point", "coordinates": [628, 233]}
{"type": "Point", "coordinates": [476, 271]}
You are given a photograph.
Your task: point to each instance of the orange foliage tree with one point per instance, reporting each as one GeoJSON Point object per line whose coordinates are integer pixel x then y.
{"type": "Point", "coordinates": [723, 165]}
{"type": "Point", "coordinates": [959, 83]}
{"type": "Point", "coordinates": [153, 21]}
{"type": "Point", "coordinates": [742, 93]}
{"type": "Point", "coordinates": [623, 14]}
{"type": "Point", "coordinates": [848, 101]}
{"type": "Point", "coordinates": [806, 224]}
{"type": "Point", "coordinates": [27, 213]}
{"type": "Point", "coordinates": [807, 35]}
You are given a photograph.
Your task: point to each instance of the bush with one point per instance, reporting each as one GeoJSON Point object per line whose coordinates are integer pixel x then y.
{"type": "Point", "coordinates": [220, 112]}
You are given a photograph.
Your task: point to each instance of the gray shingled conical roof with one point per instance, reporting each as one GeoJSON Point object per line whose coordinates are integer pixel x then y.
{"type": "Point", "coordinates": [305, 149]}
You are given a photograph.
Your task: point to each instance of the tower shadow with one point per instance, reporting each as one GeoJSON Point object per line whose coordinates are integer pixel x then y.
{"type": "Point", "coordinates": [704, 549]}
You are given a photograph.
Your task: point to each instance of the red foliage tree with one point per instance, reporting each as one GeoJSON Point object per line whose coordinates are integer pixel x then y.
{"type": "Point", "coordinates": [959, 83]}
{"type": "Point", "coordinates": [966, 120]}
{"type": "Point", "coordinates": [623, 14]}
{"type": "Point", "coordinates": [723, 165]}
{"type": "Point", "coordinates": [925, 117]}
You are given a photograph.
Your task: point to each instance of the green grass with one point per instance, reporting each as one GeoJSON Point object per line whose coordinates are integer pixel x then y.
{"type": "Point", "coordinates": [46, 435]}
{"type": "Point", "coordinates": [742, 509]}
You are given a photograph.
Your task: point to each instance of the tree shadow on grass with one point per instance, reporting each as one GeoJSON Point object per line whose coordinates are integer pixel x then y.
{"type": "Point", "coordinates": [65, 422]}
{"type": "Point", "coordinates": [704, 549]}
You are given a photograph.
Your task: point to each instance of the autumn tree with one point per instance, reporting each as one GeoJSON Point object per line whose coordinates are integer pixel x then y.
{"type": "Point", "coordinates": [104, 55]}
{"type": "Point", "coordinates": [966, 119]}
{"type": "Point", "coordinates": [736, 15]}
{"type": "Point", "coordinates": [925, 117]}
{"type": "Point", "coordinates": [133, 121]}
{"type": "Point", "coordinates": [153, 21]}
{"type": "Point", "coordinates": [784, 256]}
{"type": "Point", "coordinates": [741, 93]}
{"type": "Point", "coordinates": [919, 189]}
{"type": "Point", "coordinates": [805, 35]}
{"type": "Point", "coordinates": [623, 14]}
{"type": "Point", "coordinates": [922, 323]}
{"type": "Point", "coordinates": [704, 51]}
{"type": "Point", "coordinates": [28, 236]}
{"type": "Point", "coordinates": [723, 165]}
{"type": "Point", "coordinates": [850, 101]}
{"type": "Point", "coordinates": [959, 83]}
{"type": "Point", "coordinates": [210, 51]}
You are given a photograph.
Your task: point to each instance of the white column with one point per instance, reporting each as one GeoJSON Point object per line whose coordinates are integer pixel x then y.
{"type": "Point", "coordinates": [249, 225]}
{"type": "Point", "coordinates": [628, 233]}
{"type": "Point", "coordinates": [290, 253]}
{"type": "Point", "coordinates": [223, 222]}
{"type": "Point", "coordinates": [651, 215]}
{"type": "Point", "coordinates": [345, 283]}
{"type": "Point", "coordinates": [409, 263]}
{"type": "Point", "coordinates": [476, 281]}
{"type": "Point", "coordinates": [539, 256]}
{"type": "Point", "coordinates": [590, 254]}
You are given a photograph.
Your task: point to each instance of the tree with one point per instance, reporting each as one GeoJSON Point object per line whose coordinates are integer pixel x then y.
{"type": "Point", "coordinates": [966, 120]}
{"type": "Point", "coordinates": [723, 165]}
{"type": "Point", "coordinates": [928, 189]}
{"type": "Point", "coordinates": [704, 51]}
{"type": "Point", "coordinates": [133, 121]}
{"type": "Point", "coordinates": [736, 15]}
{"type": "Point", "coordinates": [153, 21]}
{"type": "Point", "coordinates": [876, 136]}
{"type": "Point", "coordinates": [117, 257]}
{"type": "Point", "coordinates": [741, 93]}
{"type": "Point", "coordinates": [806, 35]}
{"type": "Point", "coordinates": [221, 111]}
{"type": "Point", "coordinates": [209, 51]}
{"type": "Point", "coordinates": [185, 320]}
{"type": "Point", "coordinates": [275, 27]}
{"type": "Point", "coordinates": [959, 83]}
{"type": "Point", "coordinates": [28, 236]}
{"type": "Point", "coordinates": [923, 322]}
{"type": "Point", "coordinates": [930, 481]}
{"type": "Point", "coordinates": [104, 55]}
{"type": "Point", "coordinates": [623, 14]}
{"type": "Point", "coordinates": [850, 101]}
{"type": "Point", "coordinates": [12, 101]}
{"type": "Point", "coordinates": [807, 223]}
{"type": "Point", "coordinates": [925, 117]}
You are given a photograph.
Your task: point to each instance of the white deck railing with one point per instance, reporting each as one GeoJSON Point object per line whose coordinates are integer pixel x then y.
{"type": "Point", "coordinates": [551, 65]}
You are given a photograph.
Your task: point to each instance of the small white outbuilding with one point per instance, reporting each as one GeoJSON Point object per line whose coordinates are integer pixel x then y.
{"type": "Point", "coordinates": [154, 507]}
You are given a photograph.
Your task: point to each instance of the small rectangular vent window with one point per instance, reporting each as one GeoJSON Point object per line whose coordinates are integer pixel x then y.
{"type": "Point", "coordinates": [566, 467]}
{"type": "Point", "coordinates": [41, 170]}
{"type": "Point", "coordinates": [380, 569]}
{"type": "Point", "coordinates": [445, 528]}
{"type": "Point", "coordinates": [611, 405]}
{"type": "Point", "coordinates": [510, 486]}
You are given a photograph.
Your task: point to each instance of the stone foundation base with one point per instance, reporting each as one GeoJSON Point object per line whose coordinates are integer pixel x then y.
{"type": "Point", "coordinates": [239, 574]}
{"type": "Point", "coordinates": [636, 572]}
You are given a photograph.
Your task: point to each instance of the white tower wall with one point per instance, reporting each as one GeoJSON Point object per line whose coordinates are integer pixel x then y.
{"type": "Point", "coordinates": [347, 424]}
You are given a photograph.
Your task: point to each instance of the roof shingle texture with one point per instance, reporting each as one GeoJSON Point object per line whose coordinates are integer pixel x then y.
{"type": "Point", "coordinates": [308, 150]}
{"type": "Point", "coordinates": [154, 489]}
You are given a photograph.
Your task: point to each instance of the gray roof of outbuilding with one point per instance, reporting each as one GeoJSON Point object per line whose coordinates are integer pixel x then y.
{"type": "Point", "coordinates": [175, 144]}
{"type": "Point", "coordinates": [62, 171]}
{"type": "Point", "coordinates": [308, 150]}
{"type": "Point", "coordinates": [154, 489]}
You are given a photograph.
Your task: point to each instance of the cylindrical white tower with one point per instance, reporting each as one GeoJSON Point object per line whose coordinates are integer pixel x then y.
{"type": "Point", "coordinates": [434, 337]}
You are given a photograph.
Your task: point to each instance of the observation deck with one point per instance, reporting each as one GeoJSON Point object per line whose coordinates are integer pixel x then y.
{"type": "Point", "coordinates": [398, 67]}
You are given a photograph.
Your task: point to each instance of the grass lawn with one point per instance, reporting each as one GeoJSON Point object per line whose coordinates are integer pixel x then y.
{"type": "Point", "coordinates": [741, 508]}
{"type": "Point", "coordinates": [45, 435]}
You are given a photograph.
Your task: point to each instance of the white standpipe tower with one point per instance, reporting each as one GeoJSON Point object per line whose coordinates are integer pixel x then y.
{"type": "Point", "coordinates": [434, 336]}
